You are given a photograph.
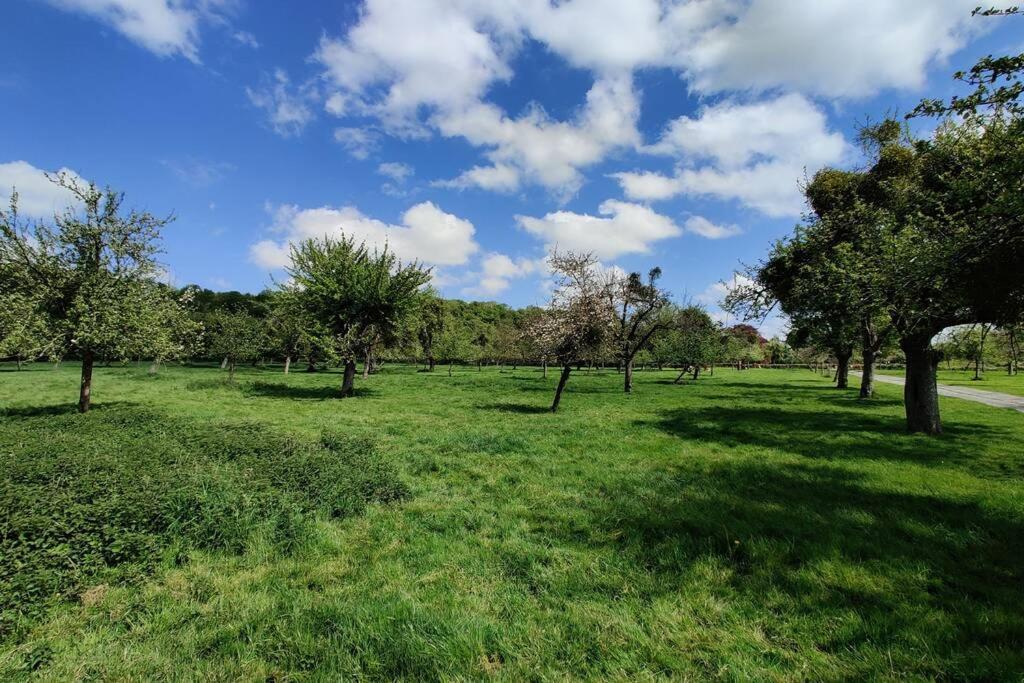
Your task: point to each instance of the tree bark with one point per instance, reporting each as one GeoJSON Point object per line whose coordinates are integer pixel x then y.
{"type": "Point", "coordinates": [231, 371]}
{"type": "Point", "coordinates": [544, 367]}
{"type": "Point", "coordinates": [680, 377]}
{"type": "Point", "coordinates": [450, 364]}
{"type": "Point", "coordinates": [154, 367]}
{"type": "Point", "coordinates": [431, 363]}
{"type": "Point", "coordinates": [867, 374]}
{"type": "Point", "coordinates": [696, 370]}
{"type": "Point", "coordinates": [366, 366]}
{"type": "Point", "coordinates": [628, 377]}
{"type": "Point", "coordinates": [561, 385]}
{"type": "Point", "coordinates": [843, 369]}
{"type": "Point", "coordinates": [348, 382]}
{"type": "Point", "coordinates": [287, 364]}
{"type": "Point", "coordinates": [85, 393]}
{"type": "Point", "coordinates": [920, 394]}
{"type": "Point", "coordinates": [224, 363]}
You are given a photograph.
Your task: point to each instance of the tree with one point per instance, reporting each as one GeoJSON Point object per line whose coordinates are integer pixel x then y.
{"type": "Point", "coordinates": [431, 321]}
{"type": "Point", "coordinates": [578, 320]}
{"type": "Point", "coordinates": [637, 304]}
{"type": "Point", "coordinates": [453, 345]}
{"type": "Point", "coordinates": [237, 337]}
{"type": "Point", "coordinates": [90, 278]}
{"type": "Point", "coordinates": [996, 81]}
{"type": "Point", "coordinates": [361, 297]}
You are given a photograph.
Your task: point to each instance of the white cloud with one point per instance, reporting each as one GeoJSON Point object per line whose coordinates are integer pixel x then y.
{"type": "Point", "coordinates": [397, 171]}
{"type": "Point", "coordinates": [38, 197]}
{"type": "Point", "coordinates": [620, 228]}
{"type": "Point", "coordinates": [426, 233]}
{"type": "Point", "coordinates": [498, 270]}
{"type": "Point", "coordinates": [699, 225]}
{"type": "Point", "coordinates": [287, 107]}
{"type": "Point", "coordinates": [423, 66]}
{"type": "Point", "coordinates": [164, 27]}
{"type": "Point", "coordinates": [543, 150]}
{"type": "Point", "coordinates": [358, 142]}
{"type": "Point", "coordinates": [247, 39]}
{"type": "Point", "coordinates": [198, 173]}
{"type": "Point", "coordinates": [835, 48]}
{"type": "Point", "coordinates": [755, 153]}
{"type": "Point", "coordinates": [497, 178]}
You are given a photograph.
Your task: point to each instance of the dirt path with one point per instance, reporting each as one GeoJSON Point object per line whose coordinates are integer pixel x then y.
{"type": "Point", "coordinates": [989, 398]}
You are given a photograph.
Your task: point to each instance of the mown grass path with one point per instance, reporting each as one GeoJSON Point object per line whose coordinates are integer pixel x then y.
{"type": "Point", "coordinates": [752, 525]}
{"type": "Point", "coordinates": [989, 398]}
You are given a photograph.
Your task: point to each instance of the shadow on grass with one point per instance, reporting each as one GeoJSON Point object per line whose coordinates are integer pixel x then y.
{"type": "Point", "coordinates": [516, 408]}
{"type": "Point", "coordinates": [62, 409]}
{"type": "Point", "coordinates": [276, 390]}
{"type": "Point", "coordinates": [836, 562]}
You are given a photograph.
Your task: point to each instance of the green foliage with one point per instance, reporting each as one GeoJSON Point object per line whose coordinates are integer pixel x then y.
{"type": "Point", "coordinates": [110, 497]}
{"type": "Point", "coordinates": [237, 337]}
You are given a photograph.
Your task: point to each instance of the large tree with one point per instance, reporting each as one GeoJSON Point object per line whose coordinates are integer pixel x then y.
{"type": "Point", "coordinates": [361, 296]}
{"type": "Point", "coordinates": [89, 278]}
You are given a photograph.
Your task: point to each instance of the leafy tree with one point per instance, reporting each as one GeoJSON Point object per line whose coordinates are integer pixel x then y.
{"type": "Point", "coordinates": [362, 297]}
{"type": "Point", "coordinates": [89, 278]}
{"type": "Point", "coordinates": [454, 345]}
{"type": "Point", "coordinates": [578, 320]}
{"type": "Point", "coordinates": [431, 321]}
{"type": "Point", "coordinates": [237, 337]}
{"type": "Point", "coordinates": [996, 81]}
{"type": "Point", "coordinates": [637, 304]}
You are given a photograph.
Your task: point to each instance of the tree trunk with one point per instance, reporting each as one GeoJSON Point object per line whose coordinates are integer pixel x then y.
{"type": "Point", "coordinates": [920, 394]}
{"type": "Point", "coordinates": [366, 366]}
{"type": "Point", "coordinates": [843, 370]}
{"type": "Point", "coordinates": [348, 381]}
{"type": "Point", "coordinates": [680, 377]}
{"type": "Point", "coordinates": [430, 363]}
{"type": "Point", "coordinates": [867, 374]}
{"type": "Point", "coordinates": [696, 371]}
{"type": "Point", "coordinates": [628, 376]}
{"type": "Point", "coordinates": [224, 363]}
{"type": "Point", "coordinates": [450, 364]}
{"type": "Point", "coordinates": [85, 393]}
{"type": "Point", "coordinates": [154, 367]}
{"type": "Point", "coordinates": [561, 385]}
{"type": "Point", "coordinates": [287, 364]}
{"type": "Point", "coordinates": [231, 371]}
{"type": "Point", "coordinates": [544, 367]}
{"type": "Point", "coordinates": [20, 362]}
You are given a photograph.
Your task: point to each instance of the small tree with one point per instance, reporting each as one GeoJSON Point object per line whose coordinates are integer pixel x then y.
{"type": "Point", "coordinates": [431, 321]}
{"type": "Point", "coordinates": [238, 337]}
{"type": "Point", "coordinates": [453, 345]}
{"type": "Point", "coordinates": [89, 278]}
{"type": "Point", "coordinates": [578, 320]}
{"type": "Point", "coordinates": [637, 304]}
{"type": "Point", "coordinates": [362, 297]}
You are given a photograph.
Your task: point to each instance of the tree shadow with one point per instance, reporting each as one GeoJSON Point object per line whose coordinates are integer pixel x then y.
{"type": "Point", "coordinates": [61, 409]}
{"type": "Point", "coordinates": [515, 408]}
{"type": "Point", "coordinates": [276, 390]}
{"type": "Point", "coordinates": [834, 435]}
{"type": "Point", "coordinates": [819, 544]}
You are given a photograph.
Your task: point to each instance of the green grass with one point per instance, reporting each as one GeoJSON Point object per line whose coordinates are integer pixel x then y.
{"type": "Point", "coordinates": [759, 525]}
{"type": "Point", "coordinates": [993, 379]}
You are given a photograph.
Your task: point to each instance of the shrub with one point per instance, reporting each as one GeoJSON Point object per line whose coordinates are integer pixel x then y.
{"type": "Point", "coordinates": [108, 496]}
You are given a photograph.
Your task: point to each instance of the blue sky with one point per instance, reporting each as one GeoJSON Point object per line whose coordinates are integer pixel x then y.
{"type": "Point", "coordinates": [471, 134]}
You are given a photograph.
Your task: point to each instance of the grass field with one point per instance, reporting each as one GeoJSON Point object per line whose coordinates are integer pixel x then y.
{"type": "Point", "coordinates": [994, 379]}
{"type": "Point", "coordinates": [756, 525]}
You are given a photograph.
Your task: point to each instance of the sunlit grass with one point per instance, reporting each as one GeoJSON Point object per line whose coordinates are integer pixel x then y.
{"type": "Point", "coordinates": [753, 525]}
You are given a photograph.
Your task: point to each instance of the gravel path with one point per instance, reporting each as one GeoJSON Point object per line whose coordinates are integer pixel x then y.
{"type": "Point", "coordinates": [989, 398]}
